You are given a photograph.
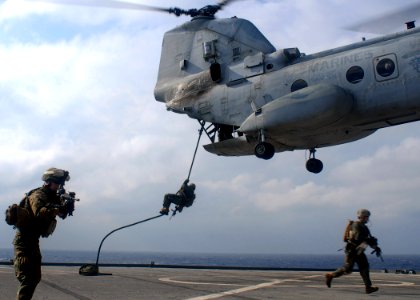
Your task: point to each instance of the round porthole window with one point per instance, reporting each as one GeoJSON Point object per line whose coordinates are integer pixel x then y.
{"type": "Point", "coordinates": [355, 74]}
{"type": "Point", "coordinates": [385, 67]}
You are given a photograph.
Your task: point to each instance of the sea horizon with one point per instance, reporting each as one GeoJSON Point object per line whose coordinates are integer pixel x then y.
{"type": "Point", "coordinates": [253, 260]}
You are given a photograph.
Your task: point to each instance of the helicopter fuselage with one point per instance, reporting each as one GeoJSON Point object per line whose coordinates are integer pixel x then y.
{"type": "Point", "coordinates": [225, 72]}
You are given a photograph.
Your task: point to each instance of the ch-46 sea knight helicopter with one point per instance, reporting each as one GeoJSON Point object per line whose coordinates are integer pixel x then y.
{"type": "Point", "coordinates": [253, 99]}
{"type": "Point", "coordinates": [260, 100]}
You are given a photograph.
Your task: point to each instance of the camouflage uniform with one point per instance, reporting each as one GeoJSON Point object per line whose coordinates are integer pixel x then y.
{"type": "Point", "coordinates": [361, 234]}
{"type": "Point", "coordinates": [27, 260]}
{"type": "Point", "coordinates": [184, 197]}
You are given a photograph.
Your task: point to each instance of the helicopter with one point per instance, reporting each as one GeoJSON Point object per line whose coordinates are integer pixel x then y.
{"type": "Point", "coordinates": [259, 100]}
{"type": "Point", "coordinates": [253, 99]}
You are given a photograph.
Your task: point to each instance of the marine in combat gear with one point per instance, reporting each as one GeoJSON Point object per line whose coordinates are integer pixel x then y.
{"type": "Point", "coordinates": [183, 198]}
{"type": "Point", "coordinates": [43, 204]}
{"type": "Point", "coordinates": [357, 237]}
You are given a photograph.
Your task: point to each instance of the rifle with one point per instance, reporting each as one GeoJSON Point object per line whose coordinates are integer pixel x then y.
{"type": "Point", "coordinates": [68, 199]}
{"type": "Point", "coordinates": [378, 253]}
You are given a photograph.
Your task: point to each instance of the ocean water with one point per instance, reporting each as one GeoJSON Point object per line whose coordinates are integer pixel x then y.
{"type": "Point", "coordinates": [299, 261]}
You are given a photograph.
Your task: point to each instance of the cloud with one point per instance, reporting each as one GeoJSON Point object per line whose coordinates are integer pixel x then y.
{"type": "Point", "coordinates": [385, 180]}
{"type": "Point", "coordinates": [20, 9]}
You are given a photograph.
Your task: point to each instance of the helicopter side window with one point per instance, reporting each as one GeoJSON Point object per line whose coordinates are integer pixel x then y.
{"type": "Point", "coordinates": [236, 51]}
{"type": "Point", "coordinates": [298, 85]}
{"type": "Point", "coordinates": [209, 50]}
{"type": "Point", "coordinates": [215, 72]}
{"type": "Point", "coordinates": [386, 67]}
{"type": "Point", "coordinates": [355, 74]}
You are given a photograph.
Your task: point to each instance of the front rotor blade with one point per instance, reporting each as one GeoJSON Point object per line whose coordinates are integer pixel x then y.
{"type": "Point", "coordinates": [105, 3]}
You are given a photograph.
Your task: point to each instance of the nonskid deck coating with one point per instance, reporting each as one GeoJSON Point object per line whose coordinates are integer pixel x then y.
{"type": "Point", "coordinates": [64, 282]}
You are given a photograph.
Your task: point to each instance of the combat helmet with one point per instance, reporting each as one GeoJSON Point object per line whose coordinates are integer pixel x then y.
{"type": "Point", "coordinates": [55, 175]}
{"type": "Point", "coordinates": [363, 213]}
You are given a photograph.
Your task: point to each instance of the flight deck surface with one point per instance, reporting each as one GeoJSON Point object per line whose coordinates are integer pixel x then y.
{"type": "Point", "coordinates": [64, 283]}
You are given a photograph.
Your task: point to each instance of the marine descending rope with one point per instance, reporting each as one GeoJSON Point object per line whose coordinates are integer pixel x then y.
{"type": "Point", "coordinates": [91, 270]}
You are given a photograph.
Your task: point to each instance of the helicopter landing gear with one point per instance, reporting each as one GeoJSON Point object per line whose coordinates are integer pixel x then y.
{"type": "Point", "coordinates": [263, 149]}
{"type": "Point", "coordinates": [313, 165]}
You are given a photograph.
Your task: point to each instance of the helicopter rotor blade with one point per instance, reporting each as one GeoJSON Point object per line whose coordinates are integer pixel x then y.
{"type": "Point", "coordinates": [107, 4]}
{"type": "Point", "coordinates": [222, 3]}
{"type": "Point", "coordinates": [211, 9]}
{"type": "Point", "coordinates": [388, 22]}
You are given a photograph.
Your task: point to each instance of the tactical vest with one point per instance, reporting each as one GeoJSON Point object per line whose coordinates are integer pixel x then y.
{"type": "Point", "coordinates": [21, 217]}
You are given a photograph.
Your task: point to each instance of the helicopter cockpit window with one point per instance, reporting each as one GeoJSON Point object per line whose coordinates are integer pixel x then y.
{"type": "Point", "coordinates": [298, 85]}
{"type": "Point", "coordinates": [355, 74]}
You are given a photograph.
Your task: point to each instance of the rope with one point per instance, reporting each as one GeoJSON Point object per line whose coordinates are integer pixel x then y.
{"type": "Point", "coordinates": [195, 152]}
{"type": "Point", "coordinates": [142, 221]}
{"type": "Point", "coordinates": [155, 217]}
{"type": "Point", "coordinates": [192, 162]}
{"type": "Point", "coordinates": [95, 269]}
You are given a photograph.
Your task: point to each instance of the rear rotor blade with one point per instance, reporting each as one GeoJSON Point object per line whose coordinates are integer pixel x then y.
{"type": "Point", "coordinates": [106, 3]}
{"type": "Point", "coordinates": [388, 22]}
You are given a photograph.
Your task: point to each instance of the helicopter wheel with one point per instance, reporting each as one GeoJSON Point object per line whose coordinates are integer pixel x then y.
{"type": "Point", "coordinates": [264, 150]}
{"type": "Point", "coordinates": [314, 165]}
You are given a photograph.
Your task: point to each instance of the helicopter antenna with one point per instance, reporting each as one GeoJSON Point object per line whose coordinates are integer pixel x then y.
{"type": "Point", "coordinates": [207, 11]}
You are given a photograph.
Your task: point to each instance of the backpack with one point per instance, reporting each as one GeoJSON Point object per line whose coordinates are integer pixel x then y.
{"type": "Point", "coordinates": [89, 270]}
{"type": "Point", "coordinates": [19, 215]}
{"type": "Point", "coordinates": [347, 236]}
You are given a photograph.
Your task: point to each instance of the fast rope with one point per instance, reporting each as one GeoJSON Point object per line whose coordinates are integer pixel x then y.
{"type": "Point", "coordinates": [126, 226]}
{"type": "Point", "coordinates": [91, 270]}
{"type": "Point", "coordinates": [200, 132]}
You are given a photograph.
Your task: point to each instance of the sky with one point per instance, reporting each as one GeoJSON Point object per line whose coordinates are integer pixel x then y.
{"type": "Point", "coordinates": [76, 92]}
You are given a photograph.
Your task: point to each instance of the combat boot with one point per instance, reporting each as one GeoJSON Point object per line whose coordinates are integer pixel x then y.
{"type": "Point", "coordinates": [164, 211]}
{"type": "Point", "coordinates": [328, 279]}
{"type": "Point", "coordinates": [371, 289]}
